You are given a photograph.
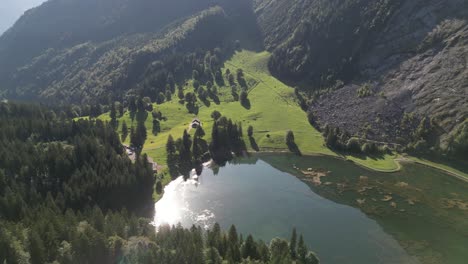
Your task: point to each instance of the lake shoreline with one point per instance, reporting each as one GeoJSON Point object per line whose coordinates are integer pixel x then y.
{"type": "Point", "coordinates": [388, 200]}
{"type": "Point", "coordinates": [398, 160]}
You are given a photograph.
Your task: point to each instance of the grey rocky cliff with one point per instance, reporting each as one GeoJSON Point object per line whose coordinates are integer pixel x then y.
{"type": "Point", "coordinates": [418, 64]}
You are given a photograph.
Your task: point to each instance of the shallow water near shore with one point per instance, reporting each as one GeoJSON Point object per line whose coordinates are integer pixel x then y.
{"type": "Point", "coordinates": [347, 214]}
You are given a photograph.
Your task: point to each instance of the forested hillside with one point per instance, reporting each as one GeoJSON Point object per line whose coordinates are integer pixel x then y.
{"type": "Point", "coordinates": [378, 70]}
{"type": "Point", "coordinates": [69, 194]}
{"type": "Point", "coordinates": [99, 71]}
{"type": "Point", "coordinates": [60, 24]}
{"type": "Point", "coordinates": [55, 54]}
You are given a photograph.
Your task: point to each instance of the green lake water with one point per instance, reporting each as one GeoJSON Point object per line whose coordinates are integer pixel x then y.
{"type": "Point", "coordinates": [351, 215]}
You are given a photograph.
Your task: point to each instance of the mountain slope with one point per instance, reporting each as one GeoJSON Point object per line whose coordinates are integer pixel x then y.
{"type": "Point", "coordinates": [89, 52]}
{"type": "Point", "coordinates": [387, 70]}
{"type": "Point", "coordinates": [93, 70]}
{"type": "Point", "coordinates": [411, 54]}
{"type": "Point", "coordinates": [61, 23]}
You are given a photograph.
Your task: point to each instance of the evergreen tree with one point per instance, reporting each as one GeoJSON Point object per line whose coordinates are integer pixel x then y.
{"type": "Point", "coordinates": [36, 248]}
{"type": "Point", "coordinates": [140, 105]}
{"type": "Point", "coordinates": [124, 130]}
{"type": "Point", "coordinates": [200, 132]}
{"type": "Point", "coordinates": [160, 98]}
{"type": "Point", "coordinates": [197, 148]}
{"type": "Point", "coordinates": [171, 82]}
{"type": "Point", "coordinates": [301, 250]}
{"type": "Point", "coordinates": [202, 94]}
{"type": "Point", "coordinates": [311, 258]}
{"type": "Point", "coordinates": [215, 115]}
{"type": "Point", "coordinates": [231, 80]}
{"type": "Point", "coordinates": [133, 136]}
{"type": "Point", "coordinates": [233, 251]}
{"type": "Point", "coordinates": [171, 156]}
{"type": "Point", "coordinates": [279, 249]}
{"type": "Point", "coordinates": [132, 107]}
{"type": "Point", "coordinates": [139, 136]}
{"type": "Point", "coordinates": [212, 256]}
{"type": "Point", "coordinates": [191, 100]}
{"type": "Point", "coordinates": [290, 138]}
{"type": "Point", "coordinates": [186, 141]}
{"type": "Point", "coordinates": [209, 85]}
{"type": "Point", "coordinates": [113, 116]}
{"type": "Point", "coordinates": [244, 100]}
{"type": "Point", "coordinates": [241, 79]}
{"type": "Point", "coordinates": [196, 85]}
{"type": "Point", "coordinates": [180, 94]}
{"type": "Point", "coordinates": [219, 77]}
{"type": "Point", "coordinates": [168, 96]}
{"type": "Point", "coordinates": [249, 249]}
{"type": "Point", "coordinates": [121, 109]}
{"type": "Point", "coordinates": [293, 244]}
{"type": "Point", "coordinates": [159, 187]}
{"type": "Point", "coordinates": [156, 127]}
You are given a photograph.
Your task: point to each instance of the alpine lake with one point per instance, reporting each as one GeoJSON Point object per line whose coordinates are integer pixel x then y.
{"type": "Point", "coordinates": [346, 213]}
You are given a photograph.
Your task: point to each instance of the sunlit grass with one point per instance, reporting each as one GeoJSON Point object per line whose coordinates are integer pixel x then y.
{"type": "Point", "coordinates": [273, 112]}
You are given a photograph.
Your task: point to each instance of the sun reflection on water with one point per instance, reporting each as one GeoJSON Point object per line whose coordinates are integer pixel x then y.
{"type": "Point", "coordinates": [175, 207]}
{"type": "Point", "coordinates": [168, 209]}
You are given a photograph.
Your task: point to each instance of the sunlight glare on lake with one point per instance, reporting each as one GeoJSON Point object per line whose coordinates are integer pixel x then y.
{"type": "Point", "coordinates": [168, 209]}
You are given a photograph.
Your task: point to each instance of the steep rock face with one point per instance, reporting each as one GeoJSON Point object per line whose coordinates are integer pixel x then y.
{"type": "Point", "coordinates": [418, 62]}
{"type": "Point", "coordinates": [412, 52]}
{"type": "Point", "coordinates": [320, 39]}
{"type": "Point", "coordinates": [423, 53]}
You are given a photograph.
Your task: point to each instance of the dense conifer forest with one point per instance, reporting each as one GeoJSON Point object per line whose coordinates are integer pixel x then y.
{"type": "Point", "coordinates": [69, 194]}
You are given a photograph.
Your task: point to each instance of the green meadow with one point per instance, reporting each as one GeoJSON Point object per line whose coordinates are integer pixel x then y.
{"type": "Point", "coordinates": [273, 111]}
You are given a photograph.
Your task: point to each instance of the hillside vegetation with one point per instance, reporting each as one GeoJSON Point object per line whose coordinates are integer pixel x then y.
{"type": "Point", "coordinates": [62, 24]}
{"type": "Point", "coordinates": [99, 71]}
{"type": "Point", "coordinates": [273, 111]}
{"type": "Point", "coordinates": [386, 73]}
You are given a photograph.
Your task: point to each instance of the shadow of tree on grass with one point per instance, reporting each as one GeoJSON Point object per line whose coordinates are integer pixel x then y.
{"type": "Point", "coordinates": [253, 144]}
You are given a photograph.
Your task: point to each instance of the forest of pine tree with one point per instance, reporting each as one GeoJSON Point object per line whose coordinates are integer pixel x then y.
{"type": "Point", "coordinates": [69, 194]}
{"type": "Point", "coordinates": [186, 153]}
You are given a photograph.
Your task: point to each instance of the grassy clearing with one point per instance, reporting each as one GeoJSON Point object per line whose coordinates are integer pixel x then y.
{"type": "Point", "coordinates": [273, 112]}
{"type": "Point", "coordinates": [386, 164]}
